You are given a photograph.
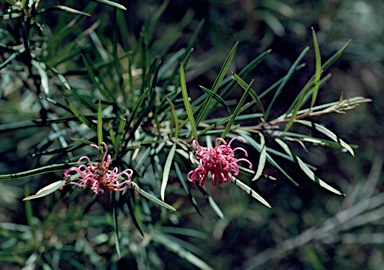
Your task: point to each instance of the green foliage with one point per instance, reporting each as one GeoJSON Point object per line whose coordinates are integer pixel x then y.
{"type": "Point", "coordinates": [85, 86]}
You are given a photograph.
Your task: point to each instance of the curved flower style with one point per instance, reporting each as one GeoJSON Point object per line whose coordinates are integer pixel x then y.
{"type": "Point", "coordinates": [219, 161]}
{"type": "Point", "coordinates": [97, 176]}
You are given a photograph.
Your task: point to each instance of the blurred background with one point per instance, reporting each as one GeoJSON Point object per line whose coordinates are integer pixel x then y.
{"type": "Point", "coordinates": [307, 227]}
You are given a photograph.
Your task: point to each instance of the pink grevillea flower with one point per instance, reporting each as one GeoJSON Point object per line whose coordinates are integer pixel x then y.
{"type": "Point", "coordinates": [97, 176]}
{"type": "Point", "coordinates": [219, 161]}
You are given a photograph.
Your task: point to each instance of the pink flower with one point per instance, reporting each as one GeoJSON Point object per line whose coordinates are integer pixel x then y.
{"type": "Point", "coordinates": [219, 161]}
{"type": "Point", "coordinates": [97, 176]}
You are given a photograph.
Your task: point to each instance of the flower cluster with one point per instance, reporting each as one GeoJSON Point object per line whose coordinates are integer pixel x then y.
{"type": "Point", "coordinates": [97, 176]}
{"type": "Point", "coordinates": [219, 161]}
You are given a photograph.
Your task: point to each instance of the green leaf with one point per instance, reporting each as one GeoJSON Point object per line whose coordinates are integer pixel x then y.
{"type": "Point", "coordinates": [65, 9]}
{"type": "Point", "coordinates": [206, 107]}
{"type": "Point", "coordinates": [37, 171]}
{"type": "Point", "coordinates": [250, 191]}
{"type": "Point", "coordinates": [132, 212]}
{"type": "Point", "coordinates": [318, 68]}
{"type": "Point", "coordinates": [252, 92]}
{"type": "Point", "coordinates": [110, 3]}
{"type": "Point", "coordinates": [300, 100]}
{"type": "Point", "coordinates": [11, 2]}
{"type": "Point", "coordinates": [236, 111]}
{"type": "Point", "coordinates": [286, 78]}
{"type": "Point", "coordinates": [119, 135]}
{"type": "Point", "coordinates": [186, 188]}
{"type": "Point", "coordinates": [9, 59]}
{"type": "Point", "coordinates": [115, 223]}
{"type": "Point", "coordinates": [98, 81]}
{"type": "Point", "coordinates": [187, 104]}
{"type": "Point", "coordinates": [327, 133]}
{"type": "Point", "coordinates": [167, 170]}
{"type": "Point", "coordinates": [258, 147]}
{"type": "Point", "coordinates": [175, 119]}
{"type": "Point", "coordinates": [306, 169]}
{"type": "Point", "coordinates": [100, 125]}
{"type": "Point", "coordinates": [211, 202]}
{"type": "Point", "coordinates": [79, 116]}
{"type": "Point", "coordinates": [43, 76]}
{"type": "Point", "coordinates": [262, 159]}
{"type": "Point", "coordinates": [215, 96]}
{"type": "Point", "coordinates": [334, 57]}
{"type": "Point", "coordinates": [180, 251]}
{"type": "Point", "coordinates": [47, 190]}
{"type": "Point", "coordinates": [152, 198]}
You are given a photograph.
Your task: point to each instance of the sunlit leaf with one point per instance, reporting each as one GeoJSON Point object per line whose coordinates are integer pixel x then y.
{"type": "Point", "coordinates": [110, 3]}
{"type": "Point", "coordinates": [43, 75]}
{"type": "Point", "coordinates": [258, 147]}
{"type": "Point", "coordinates": [307, 170]}
{"type": "Point", "coordinates": [65, 9]}
{"type": "Point", "coordinates": [262, 159]}
{"type": "Point", "coordinates": [250, 191]}
{"type": "Point", "coordinates": [167, 170]}
{"type": "Point", "coordinates": [47, 190]}
{"type": "Point", "coordinates": [152, 198]}
{"type": "Point", "coordinates": [187, 104]}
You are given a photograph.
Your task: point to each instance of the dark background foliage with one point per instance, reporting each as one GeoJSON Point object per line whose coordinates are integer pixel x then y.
{"type": "Point", "coordinates": [304, 229]}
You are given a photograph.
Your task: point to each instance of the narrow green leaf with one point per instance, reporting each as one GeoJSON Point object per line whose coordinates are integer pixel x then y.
{"type": "Point", "coordinates": [215, 96]}
{"type": "Point", "coordinates": [186, 188]}
{"type": "Point", "coordinates": [284, 82]}
{"type": "Point", "coordinates": [187, 104]}
{"type": "Point", "coordinates": [65, 9]}
{"type": "Point", "coordinates": [257, 146]}
{"type": "Point", "coordinates": [211, 202]}
{"type": "Point", "coordinates": [236, 111]}
{"type": "Point", "coordinates": [300, 100]}
{"type": "Point", "coordinates": [11, 2]}
{"type": "Point", "coordinates": [175, 119]}
{"type": "Point", "coordinates": [37, 171]}
{"type": "Point", "coordinates": [82, 141]}
{"type": "Point", "coordinates": [250, 191]}
{"type": "Point", "coordinates": [306, 169]}
{"type": "Point", "coordinates": [98, 81]}
{"type": "Point", "coordinates": [43, 76]}
{"type": "Point", "coordinates": [262, 159]}
{"type": "Point", "coordinates": [99, 125]}
{"type": "Point", "coordinates": [152, 198]}
{"type": "Point", "coordinates": [119, 135]}
{"type": "Point", "coordinates": [47, 190]}
{"type": "Point", "coordinates": [206, 107]}
{"type": "Point", "coordinates": [252, 92]}
{"type": "Point", "coordinates": [79, 116]}
{"type": "Point", "coordinates": [110, 3]}
{"type": "Point", "coordinates": [318, 68]}
{"type": "Point", "coordinates": [132, 212]}
{"type": "Point", "coordinates": [167, 170]}
{"type": "Point", "coordinates": [334, 57]}
{"type": "Point", "coordinates": [327, 133]}
{"type": "Point", "coordinates": [9, 59]}
{"type": "Point", "coordinates": [180, 251]}
{"type": "Point", "coordinates": [115, 223]}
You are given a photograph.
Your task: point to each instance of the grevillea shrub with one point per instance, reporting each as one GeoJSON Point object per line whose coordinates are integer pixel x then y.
{"type": "Point", "coordinates": [122, 148]}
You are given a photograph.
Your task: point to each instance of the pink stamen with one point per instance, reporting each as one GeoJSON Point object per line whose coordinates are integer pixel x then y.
{"type": "Point", "coordinates": [220, 162]}
{"type": "Point", "coordinates": [98, 177]}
